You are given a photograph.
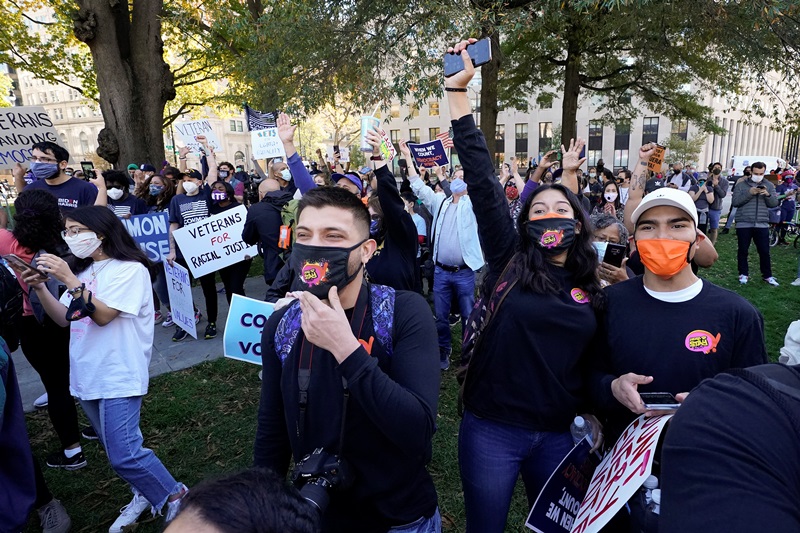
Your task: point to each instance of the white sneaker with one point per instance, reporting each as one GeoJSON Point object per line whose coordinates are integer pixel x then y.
{"type": "Point", "coordinates": [772, 281]}
{"type": "Point", "coordinates": [175, 506]}
{"type": "Point", "coordinates": [796, 283]}
{"type": "Point", "coordinates": [743, 279]}
{"type": "Point", "coordinates": [41, 401]}
{"type": "Point", "coordinates": [168, 321]}
{"type": "Point", "coordinates": [130, 513]}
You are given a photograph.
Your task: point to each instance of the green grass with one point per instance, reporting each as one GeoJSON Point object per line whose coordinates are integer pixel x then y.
{"type": "Point", "coordinates": [201, 421]}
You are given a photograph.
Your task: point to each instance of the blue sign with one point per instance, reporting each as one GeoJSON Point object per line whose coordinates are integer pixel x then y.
{"type": "Point", "coordinates": [556, 507]}
{"type": "Point", "coordinates": [246, 320]}
{"type": "Point", "coordinates": [430, 154]}
{"type": "Point", "coordinates": [151, 233]}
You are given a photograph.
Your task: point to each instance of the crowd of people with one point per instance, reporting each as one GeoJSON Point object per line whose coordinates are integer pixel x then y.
{"type": "Point", "coordinates": [575, 293]}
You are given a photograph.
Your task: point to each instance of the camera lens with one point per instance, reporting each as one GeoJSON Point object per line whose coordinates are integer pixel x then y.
{"type": "Point", "coordinates": [317, 495]}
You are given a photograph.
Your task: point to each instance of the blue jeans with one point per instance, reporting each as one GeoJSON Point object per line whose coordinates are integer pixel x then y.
{"type": "Point", "coordinates": [491, 456]}
{"type": "Point", "coordinates": [445, 284]}
{"type": "Point", "coordinates": [422, 525]}
{"type": "Point", "coordinates": [713, 218]}
{"type": "Point", "coordinates": [731, 218]}
{"type": "Point", "coordinates": [116, 421]}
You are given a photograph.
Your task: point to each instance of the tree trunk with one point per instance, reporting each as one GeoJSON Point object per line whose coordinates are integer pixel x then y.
{"type": "Point", "coordinates": [489, 80]}
{"type": "Point", "coordinates": [133, 80]}
{"type": "Point", "coordinates": [572, 89]}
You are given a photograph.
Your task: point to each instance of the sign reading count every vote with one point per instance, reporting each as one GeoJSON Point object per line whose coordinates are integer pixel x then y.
{"type": "Point", "coordinates": [214, 242]}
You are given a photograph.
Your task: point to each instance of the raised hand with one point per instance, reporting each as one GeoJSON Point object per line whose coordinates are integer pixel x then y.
{"type": "Point", "coordinates": [462, 79]}
{"type": "Point", "coordinates": [285, 129]}
{"type": "Point", "coordinates": [404, 149]}
{"type": "Point", "coordinates": [571, 159]}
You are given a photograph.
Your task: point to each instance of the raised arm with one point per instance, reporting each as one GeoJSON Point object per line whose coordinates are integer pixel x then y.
{"type": "Point", "coordinates": [183, 151]}
{"type": "Point", "coordinates": [300, 175]}
{"type": "Point", "coordinates": [258, 170]}
{"type": "Point", "coordinates": [396, 220]}
{"type": "Point", "coordinates": [211, 158]}
{"type": "Point", "coordinates": [638, 181]}
{"type": "Point", "coordinates": [570, 164]}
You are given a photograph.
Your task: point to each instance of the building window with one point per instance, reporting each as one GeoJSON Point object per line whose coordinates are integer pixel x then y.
{"type": "Point", "coordinates": [84, 142]}
{"type": "Point", "coordinates": [432, 133]}
{"type": "Point", "coordinates": [545, 101]}
{"type": "Point", "coordinates": [238, 156]}
{"type": "Point", "coordinates": [233, 125]}
{"type": "Point", "coordinates": [595, 137]}
{"type": "Point", "coordinates": [413, 135]}
{"type": "Point", "coordinates": [593, 156]}
{"type": "Point", "coordinates": [499, 144]}
{"type": "Point", "coordinates": [73, 112]}
{"type": "Point", "coordinates": [433, 109]}
{"type": "Point", "coordinates": [680, 128]}
{"type": "Point", "coordinates": [59, 113]}
{"type": "Point", "coordinates": [413, 110]}
{"type": "Point", "coordinates": [394, 135]}
{"type": "Point", "coordinates": [395, 112]}
{"type": "Point", "coordinates": [54, 96]}
{"type": "Point", "coordinates": [650, 130]}
{"type": "Point", "coordinates": [63, 137]}
{"type": "Point", "coordinates": [622, 136]}
{"type": "Point", "coordinates": [620, 159]}
{"type": "Point", "coordinates": [545, 137]}
{"type": "Point", "coordinates": [521, 140]}
{"type": "Point", "coordinates": [96, 111]}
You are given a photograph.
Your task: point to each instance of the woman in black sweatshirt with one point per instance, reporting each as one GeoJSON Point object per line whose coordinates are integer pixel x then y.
{"type": "Point", "coordinates": [526, 379]}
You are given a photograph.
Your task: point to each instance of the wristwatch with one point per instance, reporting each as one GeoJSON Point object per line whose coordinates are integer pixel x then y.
{"type": "Point", "coordinates": [76, 290]}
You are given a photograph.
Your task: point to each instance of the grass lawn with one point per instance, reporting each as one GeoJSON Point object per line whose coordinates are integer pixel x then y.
{"type": "Point", "coordinates": [201, 421]}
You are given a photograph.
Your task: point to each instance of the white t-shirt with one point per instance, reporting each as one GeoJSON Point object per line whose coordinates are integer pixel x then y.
{"type": "Point", "coordinates": [112, 361]}
{"type": "Point", "coordinates": [624, 193]}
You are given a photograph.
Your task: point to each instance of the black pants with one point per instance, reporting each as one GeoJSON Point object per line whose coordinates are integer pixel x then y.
{"type": "Point", "coordinates": [46, 347]}
{"type": "Point", "coordinates": [233, 278]}
{"type": "Point", "coordinates": [761, 238]}
{"type": "Point", "coordinates": [209, 285]}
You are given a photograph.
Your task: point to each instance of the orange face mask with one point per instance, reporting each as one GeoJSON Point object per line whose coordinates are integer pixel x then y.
{"type": "Point", "coordinates": [664, 257]}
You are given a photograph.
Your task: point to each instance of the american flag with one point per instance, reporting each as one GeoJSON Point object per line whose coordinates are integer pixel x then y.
{"type": "Point", "coordinates": [447, 142]}
{"type": "Point", "coordinates": [256, 120]}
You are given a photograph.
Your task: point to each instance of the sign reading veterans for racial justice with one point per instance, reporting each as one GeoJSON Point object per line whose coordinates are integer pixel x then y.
{"type": "Point", "coordinates": [214, 242]}
{"type": "Point", "coordinates": [189, 131]}
{"type": "Point", "coordinates": [266, 144]}
{"type": "Point", "coordinates": [621, 473]}
{"type": "Point", "coordinates": [181, 303]}
{"type": "Point", "coordinates": [151, 233]}
{"type": "Point", "coordinates": [243, 328]}
{"type": "Point", "coordinates": [429, 155]}
{"type": "Point", "coordinates": [558, 503]}
{"type": "Point", "coordinates": [20, 127]}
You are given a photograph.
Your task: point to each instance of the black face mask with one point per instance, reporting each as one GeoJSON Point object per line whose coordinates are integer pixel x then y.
{"type": "Point", "coordinates": [318, 268]}
{"type": "Point", "coordinates": [223, 174]}
{"type": "Point", "coordinates": [716, 171]}
{"type": "Point", "coordinates": [552, 235]}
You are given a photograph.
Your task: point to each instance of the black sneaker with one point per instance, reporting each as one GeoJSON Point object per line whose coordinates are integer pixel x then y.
{"type": "Point", "coordinates": [89, 433]}
{"type": "Point", "coordinates": [180, 334]}
{"type": "Point", "coordinates": [454, 319]}
{"type": "Point", "coordinates": [211, 330]}
{"type": "Point", "coordinates": [60, 460]}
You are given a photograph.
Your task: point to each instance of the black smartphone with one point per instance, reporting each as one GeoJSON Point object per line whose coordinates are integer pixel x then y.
{"type": "Point", "coordinates": [21, 266]}
{"type": "Point", "coordinates": [480, 52]}
{"type": "Point", "coordinates": [614, 255]}
{"type": "Point", "coordinates": [659, 400]}
{"type": "Point", "coordinates": [88, 169]}
{"type": "Point", "coordinates": [336, 149]}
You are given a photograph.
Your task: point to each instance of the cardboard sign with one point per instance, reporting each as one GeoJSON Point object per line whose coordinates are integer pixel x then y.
{"type": "Point", "coordinates": [21, 127]}
{"type": "Point", "coordinates": [266, 144]}
{"type": "Point", "coordinates": [243, 328]}
{"type": "Point", "coordinates": [151, 233]}
{"type": "Point", "coordinates": [188, 131]}
{"type": "Point", "coordinates": [387, 148]}
{"type": "Point", "coordinates": [214, 242]}
{"type": "Point", "coordinates": [621, 473]}
{"type": "Point", "coordinates": [557, 505]}
{"type": "Point", "coordinates": [429, 155]}
{"type": "Point", "coordinates": [181, 303]}
{"type": "Point", "coordinates": [656, 160]}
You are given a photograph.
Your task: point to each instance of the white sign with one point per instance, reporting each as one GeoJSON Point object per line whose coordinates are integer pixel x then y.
{"type": "Point", "coordinates": [21, 127]}
{"type": "Point", "coordinates": [344, 154]}
{"type": "Point", "coordinates": [266, 144]}
{"type": "Point", "coordinates": [188, 131]}
{"type": "Point", "coordinates": [621, 473]}
{"type": "Point", "coordinates": [214, 242]}
{"type": "Point", "coordinates": [181, 303]}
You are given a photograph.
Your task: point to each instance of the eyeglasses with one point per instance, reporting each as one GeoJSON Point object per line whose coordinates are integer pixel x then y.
{"type": "Point", "coordinates": [34, 159]}
{"type": "Point", "coordinates": [71, 232]}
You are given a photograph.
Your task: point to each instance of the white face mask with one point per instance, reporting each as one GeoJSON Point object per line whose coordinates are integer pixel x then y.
{"type": "Point", "coordinates": [286, 175]}
{"type": "Point", "coordinates": [83, 244]}
{"type": "Point", "coordinates": [756, 179]}
{"type": "Point", "coordinates": [115, 194]}
{"type": "Point", "coordinates": [592, 175]}
{"type": "Point", "coordinates": [190, 187]}
{"type": "Point", "coordinates": [611, 196]}
{"type": "Point", "coordinates": [600, 248]}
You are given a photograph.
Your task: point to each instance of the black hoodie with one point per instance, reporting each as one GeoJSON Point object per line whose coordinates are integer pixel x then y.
{"type": "Point", "coordinates": [262, 227]}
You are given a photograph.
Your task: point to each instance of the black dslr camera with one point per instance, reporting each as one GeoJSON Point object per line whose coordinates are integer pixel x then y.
{"type": "Point", "coordinates": [318, 472]}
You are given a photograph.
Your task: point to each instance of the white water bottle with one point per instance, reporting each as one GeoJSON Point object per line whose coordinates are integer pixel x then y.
{"type": "Point", "coordinates": [580, 428]}
{"type": "Point", "coordinates": [650, 484]}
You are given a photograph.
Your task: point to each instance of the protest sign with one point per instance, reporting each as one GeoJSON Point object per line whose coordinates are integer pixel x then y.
{"type": "Point", "coordinates": [266, 144]}
{"type": "Point", "coordinates": [151, 233]}
{"type": "Point", "coordinates": [430, 154]}
{"type": "Point", "coordinates": [214, 242]}
{"type": "Point", "coordinates": [557, 505]}
{"type": "Point", "coordinates": [243, 328]}
{"type": "Point", "coordinates": [181, 304]}
{"type": "Point", "coordinates": [344, 154]}
{"type": "Point", "coordinates": [188, 131]}
{"type": "Point", "coordinates": [621, 473]}
{"type": "Point", "coordinates": [656, 160]}
{"type": "Point", "coordinates": [21, 127]}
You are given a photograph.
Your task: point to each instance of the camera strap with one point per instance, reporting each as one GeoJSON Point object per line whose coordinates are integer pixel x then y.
{"type": "Point", "coordinates": [307, 356]}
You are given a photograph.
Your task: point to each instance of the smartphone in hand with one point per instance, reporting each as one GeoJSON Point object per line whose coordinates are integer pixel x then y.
{"type": "Point", "coordinates": [615, 254]}
{"type": "Point", "coordinates": [88, 169]}
{"type": "Point", "coordinates": [659, 400]}
{"type": "Point", "coordinates": [480, 52]}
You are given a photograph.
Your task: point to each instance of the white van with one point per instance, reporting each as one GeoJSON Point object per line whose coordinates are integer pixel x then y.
{"type": "Point", "coordinates": [738, 162]}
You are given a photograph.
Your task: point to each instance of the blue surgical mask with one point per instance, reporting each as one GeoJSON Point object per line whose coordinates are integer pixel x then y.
{"type": "Point", "coordinates": [44, 171]}
{"type": "Point", "coordinates": [600, 248]}
{"type": "Point", "coordinates": [155, 190]}
{"type": "Point", "coordinates": [286, 175]}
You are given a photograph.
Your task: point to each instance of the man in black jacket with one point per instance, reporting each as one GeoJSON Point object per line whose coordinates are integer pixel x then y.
{"type": "Point", "coordinates": [263, 225]}
{"type": "Point", "coordinates": [351, 373]}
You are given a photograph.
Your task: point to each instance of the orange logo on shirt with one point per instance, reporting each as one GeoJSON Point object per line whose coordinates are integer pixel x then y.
{"type": "Point", "coordinates": [700, 340]}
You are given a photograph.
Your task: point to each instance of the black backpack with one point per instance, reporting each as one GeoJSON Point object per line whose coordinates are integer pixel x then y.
{"type": "Point", "coordinates": [11, 295]}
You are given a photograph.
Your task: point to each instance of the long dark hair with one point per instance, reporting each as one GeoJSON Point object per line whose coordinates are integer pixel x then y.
{"type": "Point", "coordinates": [117, 242]}
{"type": "Point", "coordinates": [38, 222]}
{"type": "Point", "coordinates": [603, 201]}
{"type": "Point", "coordinates": [531, 266]}
{"type": "Point", "coordinates": [161, 201]}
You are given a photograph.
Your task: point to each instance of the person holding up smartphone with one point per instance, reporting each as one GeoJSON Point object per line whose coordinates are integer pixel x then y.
{"type": "Point", "coordinates": [611, 244]}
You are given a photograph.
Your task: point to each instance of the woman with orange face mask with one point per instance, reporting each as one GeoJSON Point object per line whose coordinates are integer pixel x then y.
{"type": "Point", "coordinates": [529, 336]}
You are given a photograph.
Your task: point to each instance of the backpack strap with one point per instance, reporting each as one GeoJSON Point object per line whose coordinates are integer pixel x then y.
{"type": "Point", "coordinates": [287, 331]}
